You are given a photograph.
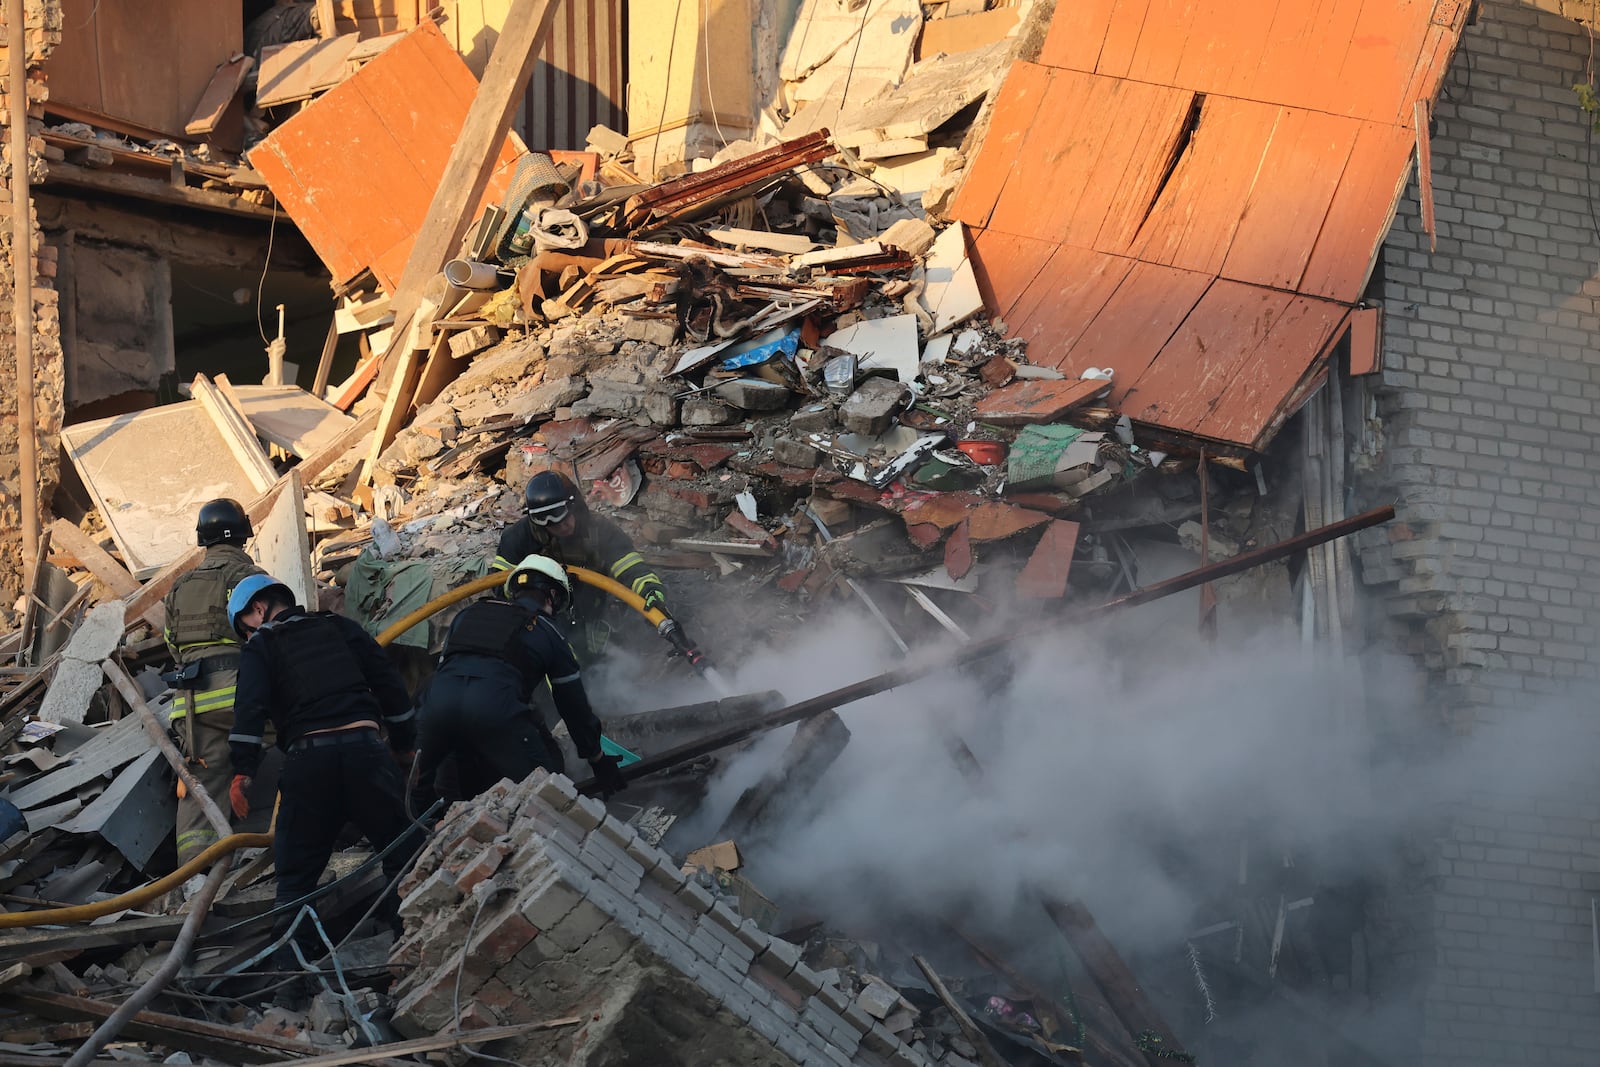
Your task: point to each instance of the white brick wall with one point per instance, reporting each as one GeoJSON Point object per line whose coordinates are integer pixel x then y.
{"type": "Point", "coordinates": [1488, 404]}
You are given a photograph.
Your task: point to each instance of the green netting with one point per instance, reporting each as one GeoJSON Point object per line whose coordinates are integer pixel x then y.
{"type": "Point", "coordinates": [1035, 452]}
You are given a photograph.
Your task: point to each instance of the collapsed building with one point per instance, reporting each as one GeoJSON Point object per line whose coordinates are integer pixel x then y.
{"type": "Point", "coordinates": [957, 317]}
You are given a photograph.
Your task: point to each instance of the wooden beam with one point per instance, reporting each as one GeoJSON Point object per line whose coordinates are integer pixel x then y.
{"type": "Point", "coordinates": [312, 466]}
{"type": "Point", "coordinates": [117, 674]}
{"type": "Point", "coordinates": [157, 189]}
{"type": "Point", "coordinates": [319, 386]}
{"type": "Point", "coordinates": [466, 175]}
{"type": "Point", "coordinates": [227, 1043]}
{"type": "Point", "coordinates": [986, 1053]}
{"type": "Point", "coordinates": [96, 560]}
{"type": "Point", "coordinates": [397, 404]}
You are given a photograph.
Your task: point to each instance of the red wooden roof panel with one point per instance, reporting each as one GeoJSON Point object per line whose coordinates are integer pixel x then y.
{"type": "Point", "coordinates": [1194, 219]}
{"type": "Point", "coordinates": [1208, 266]}
{"type": "Point", "coordinates": [1137, 320]}
{"type": "Point", "coordinates": [1289, 201]}
{"type": "Point", "coordinates": [1077, 32]}
{"type": "Point", "coordinates": [1359, 216]}
{"type": "Point", "coordinates": [1016, 111]}
{"type": "Point", "coordinates": [1299, 337]}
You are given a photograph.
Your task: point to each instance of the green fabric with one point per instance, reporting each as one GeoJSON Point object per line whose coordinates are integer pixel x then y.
{"type": "Point", "coordinates": [1033, 456]}
{"type": "Point", "coordinates": [380, 592]}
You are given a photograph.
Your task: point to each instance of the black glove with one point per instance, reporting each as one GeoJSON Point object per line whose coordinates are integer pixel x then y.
{"type": "Point", "coordinates": [608, 775]}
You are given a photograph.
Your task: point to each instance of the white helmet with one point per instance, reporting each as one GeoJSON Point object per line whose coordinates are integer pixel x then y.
{"type": "Point", "coordinates": [536, 573]}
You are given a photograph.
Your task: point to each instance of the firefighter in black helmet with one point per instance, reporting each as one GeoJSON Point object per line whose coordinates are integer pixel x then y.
{"type": "Point", "coordinates": [206, 649]}
{"type": "Point", "coordinates": [557, 523]}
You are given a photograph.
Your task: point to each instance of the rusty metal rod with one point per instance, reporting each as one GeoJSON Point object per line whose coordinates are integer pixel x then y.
{"type": "Point", "coordinates": [22, 277]}
{"type": "Point", "coordinates": [816, 705]}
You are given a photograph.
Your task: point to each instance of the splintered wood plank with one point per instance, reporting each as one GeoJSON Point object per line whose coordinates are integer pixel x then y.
{"type": "Point", "coordinates": [1056, 166]}
{"type": "Point", "coordinates": [1154, 117]}
{"type": "Point", "coordinates": [1016, 109]}
{"type": "Point", "coordinates": [1064, 299]}
{"type": "Point", "coordinates": [1168, 25]}
{"type": "Point", "coordinates": [1137, 320]}
{"type": "Point", "coordinates": [1358, 218]}
{"type": "Point", "coordinates": [1366, 340]}
{"type": "Point", "coordinates": [1299, 337]}
{"type": "Point", "coordinates": [1434, 60]}
{"type": "Point", "coordinates": [1045, 574]}
{"type": "Point", "coordinates": [1289, 201]}
{"type": "Point", "coordinates": [1425, 172]}
{"type": "Point", "coordinates": [1195, 217]}
{"type": "Point", "coordinates": [1127, 25]}
{"type": "Point", "coordinates": [1188, 377]}
{"type": "Point", "coordinates": [1077, 32]}
{"type": "Point", "coordinates": [1005, 266]}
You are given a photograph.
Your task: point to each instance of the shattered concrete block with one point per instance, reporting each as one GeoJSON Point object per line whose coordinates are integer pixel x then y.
{"type": "Point", "coordinates": [326, 1014]}
{"type": "Point", "coordinates": [878, 1000]}
{"type": "Point", "coordinates": [577, 926]}
{"type": "Point", "coordinates": [704, 411]}
{"type": "Point", "coordinates": [555, 790]}
{"type": "Point", "coordinates": [871, 408]}
{"type": "Point", "coordinates": [795, 453]}
{"type": "Point", "coordinates": [468, 342]}
{"type": "Point", "coordinates": [552, 393]}
{"type": "Point", "coordinates": [754, 394]}
{"type": "Point", "coordinates": [547, 902]}
{"type": "Point", "coordinates": [433, 894]}
{"type": "Point", "coordinates": [813, 418]}
{"type": "Point", "coordinates": [587, 813]}
{"type": "Point", "coordinates": [656, 330]}
{"type": "Point", "coordinates": [909, 235]}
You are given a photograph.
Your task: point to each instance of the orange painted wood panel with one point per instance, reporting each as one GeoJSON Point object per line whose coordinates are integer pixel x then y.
{"type": "Point", "coordinates": [1005, 265]}
{"type": "Point", "coordinates": [1366, 340]}
{"type": "Point", "coordinates": [1064, 299]}
{"type": "Point", "coordinates": [1194, 220]}
{"type": "Point", "coordinates": [1432, 66]}
{"type": "Point", "coordinates": [358, 167]}
{"type": "Point", "coordinates": [1168, 27]}
{"type": "Point", "coordinates": [1016, 109]}
{"type": "Point", "coordinates": [1056, 163]}
{"type": "Point", "coordinates": [1224, 51]}
{"type": "Point", "coordinates": [1360, 214]}
{"type": "Point", "coordinates": [1290, 199]}
{"type": "Point", "coordinates": [1155, 116]}
{"type": "Point", "coordinates": [1253, 397]}
{"type": "Point", "coordinates": [1298, 61]}
{"type": "Point", "coordinates": [1077, 32]}
{"type": "Point", "coordinates": [1122, 38]}
{"type": "Point", "coordinates": [1382, 54]}
{"type": "Point", "coordinates": [1134, 324]}
{"type": "Point", "coordinates": [1188, 378]}
{"type": "Point", "coordinates": [1045, 574]}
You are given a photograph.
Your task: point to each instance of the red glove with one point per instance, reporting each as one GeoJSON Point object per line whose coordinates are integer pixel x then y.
{"type": "Point", "coordinates": [236, 791]}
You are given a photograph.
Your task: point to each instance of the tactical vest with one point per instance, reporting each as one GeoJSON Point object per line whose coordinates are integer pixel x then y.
{"type": "Point", "coordinates": [197, 607]}
{"type": "Point", "coordinates": [310, 662]}
{"type": "Point", "coordinates": [490, 628]}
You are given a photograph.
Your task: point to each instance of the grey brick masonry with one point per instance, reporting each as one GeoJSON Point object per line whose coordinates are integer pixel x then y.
{"type": "Point", "coordinates": [1489, 412]}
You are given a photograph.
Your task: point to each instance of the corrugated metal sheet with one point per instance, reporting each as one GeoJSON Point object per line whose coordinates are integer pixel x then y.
{"type": "Point", "coordinates": [578, 82]}
{"type": "Point", "coordinates": [1193, 192]}
{"type": "Point", "coordinates": [357, 169]}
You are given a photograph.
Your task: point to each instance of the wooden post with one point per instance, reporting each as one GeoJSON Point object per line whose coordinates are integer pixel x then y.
{"type": "Point", "coordinates": [129, 689]}
{"type": "Point", "coordinates": [325, 363]}
{"type": "Point", "coordinates": [22, 276]}
{"type": "Point", "coordinates": [466, 175]}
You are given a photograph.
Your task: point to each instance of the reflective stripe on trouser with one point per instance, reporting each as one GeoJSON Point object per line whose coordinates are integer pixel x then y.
{"type": "Point", "coordinates": [212, 724]}
{"type": "Point", "coordinates": [204, 700]}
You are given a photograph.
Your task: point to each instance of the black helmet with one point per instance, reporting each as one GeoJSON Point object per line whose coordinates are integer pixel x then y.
{"type": "Point", "coordinates": [548, 497]}
{"type": "Point", "coordinates": [222, 522]}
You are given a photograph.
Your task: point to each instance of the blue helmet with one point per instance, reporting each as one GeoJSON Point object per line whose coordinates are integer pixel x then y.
{"type": "Point", "coordinates": [246, 591]}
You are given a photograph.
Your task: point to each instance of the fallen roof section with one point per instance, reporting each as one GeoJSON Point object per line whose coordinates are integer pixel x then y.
{"type": "Point", "coordinates": [1195, 202]}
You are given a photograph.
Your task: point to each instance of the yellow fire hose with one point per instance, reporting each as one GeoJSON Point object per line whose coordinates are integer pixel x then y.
{"type": "Point", "coordinates": [144, 894]}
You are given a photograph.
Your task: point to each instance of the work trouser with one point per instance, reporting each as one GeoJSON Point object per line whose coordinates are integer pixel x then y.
{"type": "Point", "coordinates": [482, 722]}
{"type": "Point", "coordinates": [329, 780]}
{"type": "Point", "coordinates": [211, 704]}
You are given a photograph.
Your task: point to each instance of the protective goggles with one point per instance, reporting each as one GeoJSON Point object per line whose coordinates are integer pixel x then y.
{"type": "Point", "coordinates": [550, 514]}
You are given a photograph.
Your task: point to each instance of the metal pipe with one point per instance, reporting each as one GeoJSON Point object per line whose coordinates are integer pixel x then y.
{"type": "Point", "coordinates": [199, 907]}
{"type": "Point", "coordinates": [22, 276]}
{"type": "Point", "coordinates": [805, 709]}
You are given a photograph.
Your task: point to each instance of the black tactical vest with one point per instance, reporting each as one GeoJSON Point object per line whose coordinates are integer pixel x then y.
{"type": "Point", "coordinates": [490, 628]}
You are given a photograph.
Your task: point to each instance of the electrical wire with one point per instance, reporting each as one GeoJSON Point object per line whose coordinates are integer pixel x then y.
{"type": "Point", "coordinates": [861, 33]}
{"type": "Point", "coordinates": [672, 49]}
{"type": "Point", "coordinates": [261, 286]}
{"type": "Point", "coordinates": [705, 51]}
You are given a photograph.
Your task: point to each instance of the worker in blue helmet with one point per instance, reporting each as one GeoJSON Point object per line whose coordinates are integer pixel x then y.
{"type": "Point", "coordinates": [326, 686]}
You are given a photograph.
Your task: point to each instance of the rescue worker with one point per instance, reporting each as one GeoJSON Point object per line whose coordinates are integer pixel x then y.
{"type": "Point", "coordinates": [325, 685]}
{"type": "Point", "coordinates": [478, 708]}
{"type": "Point", "coordinates": [557, 523]}
{"type": "Point", "coordinates": [206, 650]}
